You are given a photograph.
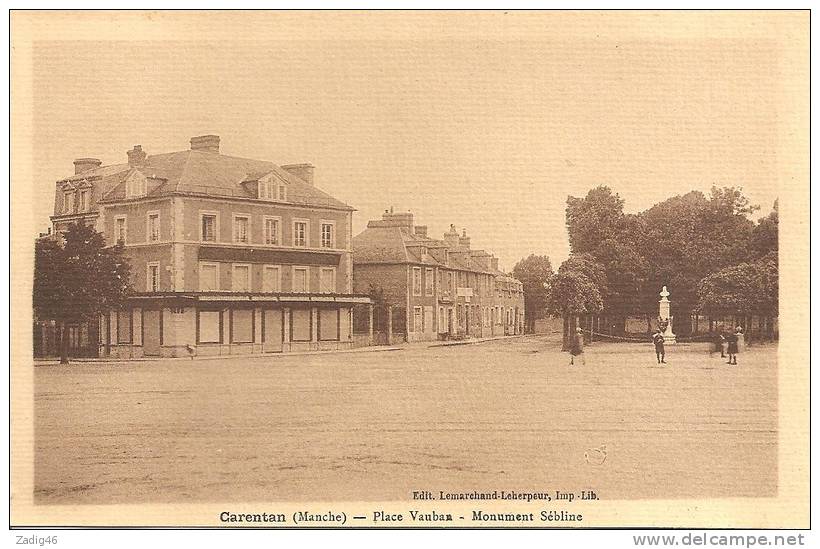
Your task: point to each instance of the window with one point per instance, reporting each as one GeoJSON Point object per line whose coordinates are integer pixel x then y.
{"type": "Point", "coordinates": [153, 226]}
{"type": "Point", "coordinates": [327, 280]}
{"type": "Point", "coordinates": [241, 278]}
{"type": "Point", "coordinates": [68, 202]}
{"type": "Point", "coordinates": [300, 279]}
{"type": "Point", "coordinates": [452, 283]}
{"type": "Point", "coordinates": [416, 280]}
{"type": "Point", "coordinates": [271, 279]}
{"type": "Point", "coordinates": [242, 325]}
{"type": "Point", "coordinates": [210, 228]}
{"type": "Point", "coordinates": [266, 190]}
{"type": "Point", "coordinates": [428, 282]}
{"type": "Point", "coordinates": [300, 232]}
{"type": "Point", "coordinates": [282, 192]}
{"type": "Point", "coordinates": [84, 201]}
{"type": "Point", "coordinates": [209, 324]}
{"type": "Point", "coordinates": [120, 229]}
{"type": "Point", "coordinates": [329, 324]}
{"type": "Point", "coordinates": [153, 276]}
{"type": "Point", "coordinates": [272, 225]}
{"type": "Point", "coordinates": [241, 229]}
{"type": "Point", "coordinates": [135, 187]}
{"type": "Point", "coordinates": [208, 277]}
{"type": "Point", "coordinates": [328, 236]}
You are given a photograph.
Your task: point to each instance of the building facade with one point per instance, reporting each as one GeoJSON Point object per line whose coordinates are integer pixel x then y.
{"type": "Point", "coordinates": [228, 255]}
{"type": "Point", "coordinates": [446, 288]}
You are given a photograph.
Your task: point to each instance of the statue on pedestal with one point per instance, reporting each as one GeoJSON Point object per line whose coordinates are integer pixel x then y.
{"type": "Point", "coordinates": [664, 318]}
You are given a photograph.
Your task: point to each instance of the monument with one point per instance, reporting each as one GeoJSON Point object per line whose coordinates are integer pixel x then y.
{"type": "Point", "coordinates": [664, 318]}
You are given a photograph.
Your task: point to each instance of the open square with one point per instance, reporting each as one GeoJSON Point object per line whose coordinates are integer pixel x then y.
{"type": "Point", "coordinates": [376, 426]}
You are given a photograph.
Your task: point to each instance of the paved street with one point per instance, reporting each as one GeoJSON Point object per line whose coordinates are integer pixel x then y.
{"type": "Point", "coordinates": [499, 415]}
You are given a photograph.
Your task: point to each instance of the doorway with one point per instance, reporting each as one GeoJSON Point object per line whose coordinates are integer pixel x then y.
{"type": "Point", "coordinates": [272, 330]}
{"type": "Point", "coordinates": [151, 332]}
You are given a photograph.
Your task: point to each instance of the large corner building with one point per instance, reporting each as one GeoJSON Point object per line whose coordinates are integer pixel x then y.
{"type": "Point", "coordinates": [228, 255]}
{"type": "Point", "coordinates": [445, 288]}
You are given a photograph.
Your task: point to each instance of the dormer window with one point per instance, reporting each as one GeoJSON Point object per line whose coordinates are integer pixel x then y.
{"type": "Point", "coordinates": [84, 203]}
{"type": "Point", "coordinates": [68, 202]}
{"type": "Point", "coordinates": [282, 192]}
{"type": "Point", "coordinates": [136, 187]}
{"type": "Point", "coordinates": [266, 190]}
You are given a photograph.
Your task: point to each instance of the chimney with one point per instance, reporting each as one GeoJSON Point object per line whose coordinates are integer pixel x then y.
{"type": "Point", "coordinates": [494, 263]}
{"type": "Point", "coordinates": [205, 143]}
{"type": "Point", "coordinates": [136, 156]}
{"type": "Point", "coordinates": [421, 230]}
{"type": "Point", "coordinates": [403, 220]}
{"type": "Point", "coordinates": [464, 240]}
{"type": "Point", "coordinates": [84, 164]}
{"type": "Point", "coordinates": [451, 236]}
{"type": "Point", "coordinates": [302, 171]}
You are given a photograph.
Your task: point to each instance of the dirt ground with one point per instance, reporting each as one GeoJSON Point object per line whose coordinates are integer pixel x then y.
{"type": "Point", "coordinates": [505, 415]}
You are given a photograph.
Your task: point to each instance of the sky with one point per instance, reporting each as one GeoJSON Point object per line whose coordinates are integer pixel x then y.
{"type": "Point", "coordinates": [488, 131]}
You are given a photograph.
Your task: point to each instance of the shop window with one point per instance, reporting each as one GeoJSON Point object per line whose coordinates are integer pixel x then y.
{"type": "Point", "coordinates": [242, 326]}
{"type": "Point", "coordinates": [328, 324]}
{"type": "Point", "coordinates": [210, 326]}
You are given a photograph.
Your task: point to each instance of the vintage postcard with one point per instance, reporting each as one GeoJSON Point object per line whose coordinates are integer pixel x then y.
{"type": "Point", "coordinates": [410, 269]}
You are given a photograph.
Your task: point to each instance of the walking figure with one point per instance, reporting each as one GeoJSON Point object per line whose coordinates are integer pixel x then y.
{"type": "Point", "coordinates": [660, 353]}
{"type": "Point", "coordinates": [731, 350]}
{"type": "Point", "coordinates": [576, 347]}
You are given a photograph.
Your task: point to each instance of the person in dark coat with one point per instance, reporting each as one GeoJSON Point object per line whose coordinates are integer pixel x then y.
{"type": "Point", "coordinates": [731, 350]}
{"type": "Point", "coordinates": [576, 347]}
{"type": "Point", "coordinates": [660, 352]}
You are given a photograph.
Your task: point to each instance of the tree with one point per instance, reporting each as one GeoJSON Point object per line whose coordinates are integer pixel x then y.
{"type": "Point", "coordinates": [689, 237]}
{"type": "Point", "coordinates": [576, 290]}
{"type": "Point", "coordinates": [765, 234]}
{"type": "Point", "coordinates": [76, 276]}
{"type": "Point", "coordinates": [593, 219]}
{"type": "Point", "coordinates": [535, 273]}
{"type": "Point", "coordinates": [742, 290]}
{"type": "Point", "coordinates": [598, 227]}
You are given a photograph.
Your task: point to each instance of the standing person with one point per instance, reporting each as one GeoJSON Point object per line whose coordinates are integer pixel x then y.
{"type": "Point", "coordinates": [741, 339]}
{"type": "Point", "coordinates": [718, 344]}
{"type": "Point", "coordinates": [660, 352]}
{"type": "Point", "coordinates": [576, 347]}
{"type": "Point", "coordinates": [731, 350]}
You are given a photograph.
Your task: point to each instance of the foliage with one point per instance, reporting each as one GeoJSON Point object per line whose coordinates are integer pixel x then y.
{"type": "Point", "coordinates": [765, 234]}
{"type": "Point", "coordinates": [678, 243]}
{"type": "Point", "coordinates": [77, 276]}
{"type": "Point", "coordinates": [534, 273]}
{"type": "Point", "coordinates": [598, 227]}
{"type": "Point", "coordinates": [747, 288]}
{"type": "Point", "coordinates": [576, 288]}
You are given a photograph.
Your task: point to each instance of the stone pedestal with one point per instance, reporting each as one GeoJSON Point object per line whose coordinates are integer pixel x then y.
{"type": "Point", "coordinates": [664, 308]}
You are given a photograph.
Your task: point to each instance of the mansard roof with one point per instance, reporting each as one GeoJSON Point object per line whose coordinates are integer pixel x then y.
{"type": "Point", "coordinates": [203, 173]}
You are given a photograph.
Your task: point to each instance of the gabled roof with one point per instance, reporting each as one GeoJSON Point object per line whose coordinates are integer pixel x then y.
{"type": "Point", "coordinates": [206, 174]}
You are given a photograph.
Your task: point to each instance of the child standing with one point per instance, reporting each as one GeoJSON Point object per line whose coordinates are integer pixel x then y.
{"type": "Point", "coordinates": [731, 339]}
{"type": "Point", "coordinates": [660, 353]}
{"type": "Point", "coordinates": [576, 347]}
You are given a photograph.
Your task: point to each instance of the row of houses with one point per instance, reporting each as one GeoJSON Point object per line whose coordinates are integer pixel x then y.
{"type": "Point", "coordinates": [232, 255]}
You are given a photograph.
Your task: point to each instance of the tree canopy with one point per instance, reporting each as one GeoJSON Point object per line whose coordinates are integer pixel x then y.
{"type": "Point", "coordinates": [534, 272]}
{"type": "Point", "coordinates": [77, 276]}
{"type": "Point", "coordinates": [678, 243]}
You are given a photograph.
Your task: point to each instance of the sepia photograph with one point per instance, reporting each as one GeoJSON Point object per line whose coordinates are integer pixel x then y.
{"type": "Point", "coordinates": [391, 269]}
